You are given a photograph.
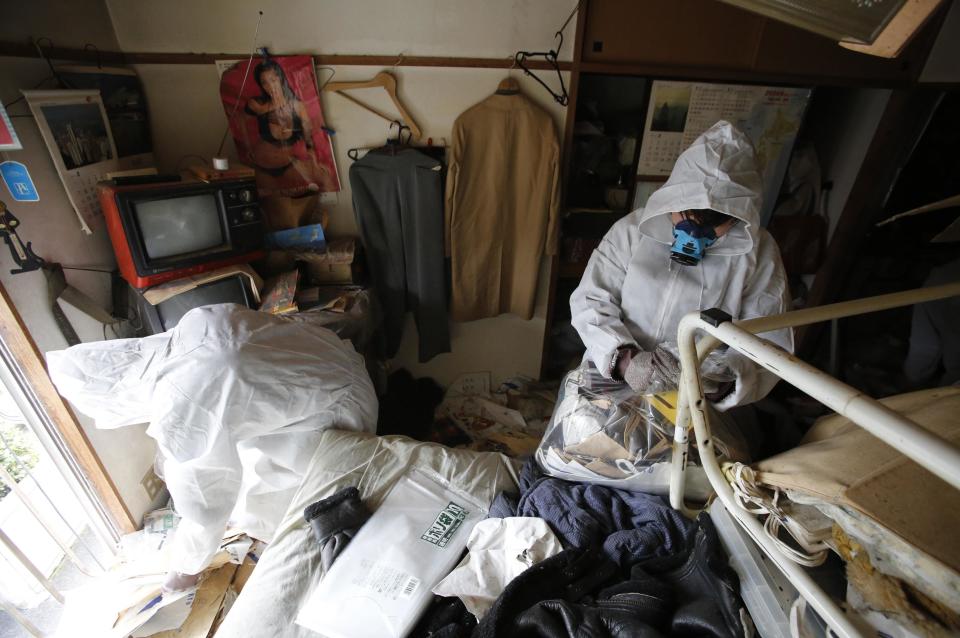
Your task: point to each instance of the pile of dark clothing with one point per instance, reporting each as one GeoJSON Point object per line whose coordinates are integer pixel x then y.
{"type": "Point", "coordinates": [632, 566]}
{"type": "Point", "coordinates": [408, 406]}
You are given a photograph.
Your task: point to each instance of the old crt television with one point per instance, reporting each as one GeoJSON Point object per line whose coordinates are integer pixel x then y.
{"type": "Point", "coordinates": [166, 231]}
{"type": "Point", "coordinates": [167, 314]}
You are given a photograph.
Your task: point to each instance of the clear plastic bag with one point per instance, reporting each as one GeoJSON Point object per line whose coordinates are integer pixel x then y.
{"type": "Point", "coordinates": [603, 432]}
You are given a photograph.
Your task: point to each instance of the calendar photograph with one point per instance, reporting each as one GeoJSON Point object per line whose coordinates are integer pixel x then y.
{"type": "Point", "coordinates": [75, 127]}
{"type": "Point", "coordinates": [125, 102]}
{"type": "Point", "coordinates": [670, 106]}
{"type": "Point", "coordinates": [80, 133]}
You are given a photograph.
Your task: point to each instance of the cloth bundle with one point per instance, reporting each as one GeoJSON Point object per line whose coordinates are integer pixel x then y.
{"type": "Point", "coordinates": [237, 401]}
{"type": "Point", "coordinates": [632, 566]}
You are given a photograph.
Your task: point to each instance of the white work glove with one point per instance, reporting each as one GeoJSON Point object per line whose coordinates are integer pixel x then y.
{"type": "Point", "coordinates": [652, 372]}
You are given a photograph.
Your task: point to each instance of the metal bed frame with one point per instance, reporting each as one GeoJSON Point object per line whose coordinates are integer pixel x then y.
{"type": "Point", "coordinates": [929, 450]}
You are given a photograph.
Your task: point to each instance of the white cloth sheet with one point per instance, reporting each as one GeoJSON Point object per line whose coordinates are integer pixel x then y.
{"type": "Point", "coordinates": [290, 566]}
{"type": "Point", "coordinates": [236, 400]}
{"type": "Point", "coordinates": [500, 549]}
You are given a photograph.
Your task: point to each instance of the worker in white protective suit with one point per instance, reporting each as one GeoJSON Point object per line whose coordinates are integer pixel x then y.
{"type": "Point", "coordinates": [696, 245]}
{"type": "Point", "coordinates": [236, 400]}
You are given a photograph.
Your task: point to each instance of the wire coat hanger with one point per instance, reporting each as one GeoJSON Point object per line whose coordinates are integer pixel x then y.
{"type": "Point", "coordinates": [389, 84]}
{"type": "Point", "coordinates": [391, 146]}
{"type": "Point", "coordinates": [551, 57]}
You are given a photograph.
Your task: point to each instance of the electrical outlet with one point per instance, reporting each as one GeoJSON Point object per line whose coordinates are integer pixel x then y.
{"type": "Point", "coordinates": [152, 484]}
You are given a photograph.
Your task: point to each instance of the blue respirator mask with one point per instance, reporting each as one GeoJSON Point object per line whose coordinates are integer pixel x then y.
{"type": "Point", "coordinates": [690, 241]}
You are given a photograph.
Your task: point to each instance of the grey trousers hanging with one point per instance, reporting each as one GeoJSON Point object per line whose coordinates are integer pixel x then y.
{"type": "Point", "coordinates": [398, 201]}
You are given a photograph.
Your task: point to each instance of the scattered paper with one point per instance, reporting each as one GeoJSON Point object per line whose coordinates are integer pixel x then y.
{"type": "Point", "coordinates": [170, 616]}
{"type": "Point", "coordinates": [474, 383]}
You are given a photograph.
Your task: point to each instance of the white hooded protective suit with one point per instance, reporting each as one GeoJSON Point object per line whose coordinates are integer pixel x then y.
{"type": "Point", "coordinates": [632, 293]}
{"type": "Point", "coordinates": [236, 400]}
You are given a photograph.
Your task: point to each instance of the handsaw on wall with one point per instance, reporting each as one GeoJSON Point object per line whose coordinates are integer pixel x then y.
{"type": "Point", "coordinates": [389, 84]}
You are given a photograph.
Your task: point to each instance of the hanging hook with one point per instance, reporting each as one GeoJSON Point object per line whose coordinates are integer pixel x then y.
{"type": "Point", "coordinates": [551, 57]}
{"type": "Point", "coordinates": [560, 98]}
{"type": "Point", "coordinates": [96, 50]}
{"type": "Point", "coordinates": [401, 127]}
{"type": "Point", "coordinates": [399, 60]}
{"type": "Point", "coordinates": [45, 57]}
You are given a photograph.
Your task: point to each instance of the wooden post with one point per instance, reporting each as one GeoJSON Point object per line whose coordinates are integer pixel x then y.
{"type": "Point", "coordinates": [31, 365]}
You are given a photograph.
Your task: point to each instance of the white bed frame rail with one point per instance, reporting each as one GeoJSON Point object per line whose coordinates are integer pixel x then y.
{"type": "Point", "coordinates": [927, 449]}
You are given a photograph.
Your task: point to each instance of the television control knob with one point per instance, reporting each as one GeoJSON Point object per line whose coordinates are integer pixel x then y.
{"type": "Point", "coordinates": [246, 196]}
{"type": "Point", "coordinates": [248, 214]}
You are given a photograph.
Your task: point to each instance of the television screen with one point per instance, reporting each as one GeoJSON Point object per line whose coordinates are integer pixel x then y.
{"type": "Point", "coordinates": [179, 225]}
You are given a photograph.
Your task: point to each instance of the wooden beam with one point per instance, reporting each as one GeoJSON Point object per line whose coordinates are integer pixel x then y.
{"type": "Point", "coordinates": [31, 365]}
{"type": "Point", "coordinates": [901, 125]}
{"type": "Point", "coordinates": [727, 74]}
{"type": "Point", "coordinates": [91, 55]}
{"type": "Point", "coordinates": [566, 144]}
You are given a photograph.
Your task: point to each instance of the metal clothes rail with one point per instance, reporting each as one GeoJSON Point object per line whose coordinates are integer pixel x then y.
{"type": "Point", "coordinates": [929, 450]}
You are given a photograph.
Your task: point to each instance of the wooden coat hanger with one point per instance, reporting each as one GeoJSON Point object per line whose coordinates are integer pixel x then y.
{"type": "Point", "coordinates": [389, 84]}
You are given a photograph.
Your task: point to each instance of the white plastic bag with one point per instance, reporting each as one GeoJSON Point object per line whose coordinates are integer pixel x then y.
{"type": "Point", "coordinates": [381, 583]}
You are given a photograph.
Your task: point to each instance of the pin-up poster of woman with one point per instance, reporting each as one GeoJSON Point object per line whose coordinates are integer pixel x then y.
{"type": "Point", "coordinates": [277, 125]}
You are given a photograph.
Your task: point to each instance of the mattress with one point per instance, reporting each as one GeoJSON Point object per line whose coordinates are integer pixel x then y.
{"type": "Point", "coordinates": [290, 566]}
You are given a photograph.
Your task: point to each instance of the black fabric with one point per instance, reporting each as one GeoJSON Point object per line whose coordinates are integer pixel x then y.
{"type": "Point", "coordinates": [408, 405]}
{"type": "Point", "coordinates": [398, 202]}
{"type": "Point", "coordinates": [580, 593]}
{"type": "Point", "coordinates": [335, 520]}
{"type": "Point", "coordinates": [569, 575]}
{"type": "Point", "coordinates": [606, 619]}
{"type": "Point", "coordinates": [445, 618]}
{"type": "Point", "coordinates": [706, 588]}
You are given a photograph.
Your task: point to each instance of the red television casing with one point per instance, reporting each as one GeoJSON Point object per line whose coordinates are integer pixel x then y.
{"type": "Point", "coordinates": [240, 217]}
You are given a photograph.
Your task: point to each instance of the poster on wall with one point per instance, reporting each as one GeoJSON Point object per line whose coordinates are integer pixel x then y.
{"type": "Point", "coordinates": [678, 112]}
{"type": "Point", "coordinates": [126, 105]}
{"type": "Point", "coordinates": [277, 125]}
{"type": "Point", "coordinates": [75, 128]}
{"type": "Point", "coordinates": [8, 136]}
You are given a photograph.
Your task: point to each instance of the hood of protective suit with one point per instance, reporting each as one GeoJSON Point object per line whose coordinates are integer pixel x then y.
{"type": "Point", "coordinates": [717, 172]}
